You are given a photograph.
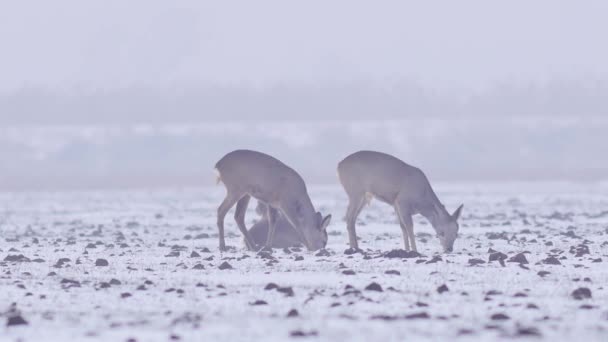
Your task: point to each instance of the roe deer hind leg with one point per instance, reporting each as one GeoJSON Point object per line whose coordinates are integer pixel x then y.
{"type": "Point", "coordinates": [272, 214]}
{"type": "Point", "coordinates": [407, 227]}
{"type": "Point", "coordinates": [239, 217]}
{"type": "Point", "coordinates": [410, 232]}
{"type": "Point", "coordinates": [355, 205]}
{"type": "Point", "coordinates": [403, 229]}
{"type": "Point", "coordinates": [223, 209]}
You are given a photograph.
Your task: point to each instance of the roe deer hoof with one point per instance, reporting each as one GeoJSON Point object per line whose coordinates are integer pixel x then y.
{"type": "Point", "coordinates": [265, 249]}
{"type": "Point", "coordinates": [351, 251]}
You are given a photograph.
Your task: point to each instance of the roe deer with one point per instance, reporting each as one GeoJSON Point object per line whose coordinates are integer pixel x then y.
{"type": "Point", "coordinates": [247, 174]}
{"type": "Point", "coordinates": [367, 174]}
{"type": "Point", "coordinates": [285, 235]}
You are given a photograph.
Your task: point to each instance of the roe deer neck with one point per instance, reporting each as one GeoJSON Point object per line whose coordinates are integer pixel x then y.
{"type": "Point", "coordinates": [432, 209]}
{"type": "Point", "coordinates": [301, 210]}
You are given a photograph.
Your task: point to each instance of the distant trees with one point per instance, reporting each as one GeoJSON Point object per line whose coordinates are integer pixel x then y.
{"type": "Point", "coordinates": [357, 100]}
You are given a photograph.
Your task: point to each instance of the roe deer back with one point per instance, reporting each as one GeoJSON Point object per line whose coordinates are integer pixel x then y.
{"type": "Point", "coordinates": [367, 174]}
{"type": "Point", "coordinates": [285, 235]}
{"type": "Point", "coordinates": [247, 174]}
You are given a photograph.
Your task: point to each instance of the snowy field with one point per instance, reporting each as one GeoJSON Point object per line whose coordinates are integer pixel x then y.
{"type": "Point", "coordinates": [163, 279]}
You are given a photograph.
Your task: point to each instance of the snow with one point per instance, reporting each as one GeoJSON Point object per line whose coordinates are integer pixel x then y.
{"type": "Point", "coordinates": [58, 225]}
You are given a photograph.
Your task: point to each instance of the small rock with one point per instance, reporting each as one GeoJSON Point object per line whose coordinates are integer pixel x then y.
{"type": "Point", "coordinates": [101, 262]}
{"type": "Point", "coordinates": [15, 320]}
{"type": "Point", "coordinates": [293, 313]}
{"type": "Point", "coordinates": [300, 333]}
{"type": "Point", "coordinates": [420, 315]}
{"type": "Point", "coordinates": [395, 272]}
{"type": "Point", "coordinates": [16, 258]}
{"type": "Point", "coordinates": [288, 291]}
{"type": "Point", "coordinates": [519, 258]}
{"type": "Point", "coordinates": [400, 253]}
{"type": "Point", "coordinates": [434, 260]}
{"type": "Point", "coordinates": [271, 286]}
{"type": "Point", "coordinates": [225, 266]}
{"type": "Point", "coordinates": [527, 331]}
{"type": "Point", "coordinates": [323, 252]}
{"type": "Point", "coordinates": [551, 261]}
{"type": "Point", "coordinates": [499, 317]}
{"type": "Point", "coordinates": [258, 302]}
{"type": "Point", "coordinates": [498, 256]}
{"type": "Point", "coordinates": [374, 287]}
{"type": "Point", "coordinates": [543, 273]}
{"type": "Point", "coordinates": [443, 288]}
{"type": "Point", "coordinates": [351, 251]}
{"type": "Point", "coordinates": [474, 262]}
{"type": "Point", "coordinates": [581, 293]}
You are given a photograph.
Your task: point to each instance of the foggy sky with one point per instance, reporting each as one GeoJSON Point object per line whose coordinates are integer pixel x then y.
{"type": "Point", "coordinates": [454, 45]}
{"type": "Point", "coordinates": [122, 93]}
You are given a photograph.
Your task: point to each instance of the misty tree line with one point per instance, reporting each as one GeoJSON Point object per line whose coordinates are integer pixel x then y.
{"type": "Point", "coordinates": [357, 100]}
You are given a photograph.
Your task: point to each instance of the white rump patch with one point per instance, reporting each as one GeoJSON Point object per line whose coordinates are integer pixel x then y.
{"type": "Point", "coordinates": [368, 198]}
{"type": "Point", "coordinates": [218, 176]}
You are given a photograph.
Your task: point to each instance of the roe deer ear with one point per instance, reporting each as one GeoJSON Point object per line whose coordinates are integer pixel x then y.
{"type": "Point", "coordinates": [318, 218]}
{"type": "Point", "coordinates": [325, 222]}
{"type": "Point", "coordinates": [456, 214]}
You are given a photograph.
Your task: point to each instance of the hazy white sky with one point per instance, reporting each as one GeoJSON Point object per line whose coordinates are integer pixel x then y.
{"type": "Point", "coordinates": [444, 44]}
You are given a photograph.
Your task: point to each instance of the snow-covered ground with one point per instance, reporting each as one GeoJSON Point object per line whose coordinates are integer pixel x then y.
{"type": "Point", "coordinates": [163, 280]}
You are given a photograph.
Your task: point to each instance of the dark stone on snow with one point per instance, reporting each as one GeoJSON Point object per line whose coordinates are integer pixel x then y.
{"type": "Point", "coordinates": [15, 320]}
{"type": "Point", "coordinates": [499, 317]}
{"type": "Point", "coordinates": [351, 251]}
{"type": "Point", "coordinates": [497, 256]}
{"type": "Point", "coordinates": [474, 262]}
{"type": "Point", "coordinates": [434, 260]}
{"type": "Point", "coordinates": [581, 293]}
{"type": "Point", "coordinates": [551, 261]}
{"type": "Point", "coordinates": [400, 253]}
{"type": "Point", "coordinates": [16, 258]}
{"type": "Point", "coordinates": [300, 333]}
{"type": "Point", "coordinates": [101, 262]}
{"type": "Point", "coordinates": [271, 286]}
{"type": "Point", "coordinates": [543, 273]}
{"type": "Point", "coordinates": [527, 331]}
{"type": "Point", "coordinates": [323, 252]}
{"type": "Point", "coordinates": [443, 288]}
{"type": "Point", "coordinates": [420, 315]}
{"type": "Point", "coordinates": [374, 287]}
{"type": "Point", "coordinates": [518, 258]}
{"type": "Point", "coordinates": [225, 266]}
{"type": "Point", "coordinates": [288, 291]}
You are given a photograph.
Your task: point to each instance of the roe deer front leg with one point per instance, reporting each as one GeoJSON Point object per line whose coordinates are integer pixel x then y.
{"type": "Point", "coordinates": [407, 227]}
{"type": "Point", "coordinates": [355, 205]}
{"type": "Point", "coordinates": [404, 228]}
{"type": "Point", "coordinates": [272, 214]}
{"type": "Point", "coordinates": [239, 217]}
{"type": "Point", "coordinates": [223, 209]}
